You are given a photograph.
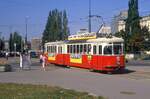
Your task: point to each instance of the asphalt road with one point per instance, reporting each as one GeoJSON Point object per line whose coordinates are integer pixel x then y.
{"type": "Point", "coordinates": [134, 83]}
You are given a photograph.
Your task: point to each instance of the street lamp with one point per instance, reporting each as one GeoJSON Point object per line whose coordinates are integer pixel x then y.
{"type": "Point", "coordinates": [26, 36]}
{"type": "Point", "coordinates": [15, 48]}
{"type": "Point", "coordinates": [89, 16]}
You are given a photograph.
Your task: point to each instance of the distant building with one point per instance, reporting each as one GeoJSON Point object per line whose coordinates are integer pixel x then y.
{"type": "Point", "coordinates": [36, 44]}
{"type": "Point", "coordinates": [116, 25]}
{"type": "Point", "coordinates": [105, 30]}
{"type": "Point", "coordinates": [145, 21]}
{"type": "Point", "coordinates": [119, 23]}
{"type": "Point", "coordinates": [6, 45]}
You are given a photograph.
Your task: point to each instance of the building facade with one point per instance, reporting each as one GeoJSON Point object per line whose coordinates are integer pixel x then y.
{"type": "Point", "coordinates": [119, 23]}
{"type": "Point", "coordinates": [105, 30]}
{"type": "Point", "coordinates": [36, 44]}
{"type": "Point", "coordinates": [145, 21]}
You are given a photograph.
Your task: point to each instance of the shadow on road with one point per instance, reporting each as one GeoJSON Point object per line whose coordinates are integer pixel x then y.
{"type": "Point", "coordinates": [125, 71]}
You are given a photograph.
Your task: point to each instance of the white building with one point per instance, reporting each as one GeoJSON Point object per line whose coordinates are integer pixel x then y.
{"type": "Point", "coordinates": [145, 21]}
{"type": "Point", "coordinates": [105, 30]}
{"type": "Point", "coordinates": [118, 22]}
{"type": "Point", "coordinates": [36, 44]}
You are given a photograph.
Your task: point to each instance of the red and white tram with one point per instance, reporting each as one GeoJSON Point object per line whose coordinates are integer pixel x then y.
{"type": "Point", "coordinates": [104, 53]}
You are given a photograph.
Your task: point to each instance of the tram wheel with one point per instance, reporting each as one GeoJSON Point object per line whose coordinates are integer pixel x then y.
{"type": "Point", "coordinates": [91, 70]}
{"type": "Point", "coordinates": [110, 73]}
{"type": "Point", "coordinates": [68, 66]}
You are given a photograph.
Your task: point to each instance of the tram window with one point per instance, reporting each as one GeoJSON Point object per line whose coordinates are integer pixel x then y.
{"type": "Point", "coordinates": [94, 49]}
{"type": "Point", "coordinates": [60, 49]}
{"type": "Point", "coordinates": [85, 48]}
{"type": "Point", "coordinates": [47, 48]}
{"type": "Point", "coordinates": [117, 49]}
{"type": "Point", "coordinates": [81, 48]}
{"type": "Point", "coordinates": [51, 49]}
{"type": "Point", "coordinates": [70, 48]}
{"type": "Point", "coordinates": [77, 48]}
{"type": "Point", "coordinates": [100, 49]}
{"type": "Point", "coordinates": [54, 49]}
{"type": "Point", "coordinates": [108, 50]}
{"type": "Point", "coordinates": [89, 48]}
{"type": "Point", "coordinates": [74, 50]}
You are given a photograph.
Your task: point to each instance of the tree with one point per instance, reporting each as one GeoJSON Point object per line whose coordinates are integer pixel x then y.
{"type": "Point", "coordinates": [15, 38]}
{"type": "Point", "coordinates": [65, 26]}
{"type": "Point", "coordinates": [11, 45]}
{"type": "Point", "coordinates": [56, 28]}
{"type": "Point", "coordinates": [1, 42]}
{"type": "Point", "coordinates": [133, 29]}
{"type": "Point", "coordinates": [146, 38]}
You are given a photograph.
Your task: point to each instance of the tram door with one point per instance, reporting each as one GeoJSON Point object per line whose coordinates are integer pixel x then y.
{"type": "Point", "coordinates": [60, 55]}
{"type": "Point", "coordinates": [97, 57]}
{"type": "Point", "coordinates": [94, 57]}
{"type": "Point", "coordinates": [100, 57]}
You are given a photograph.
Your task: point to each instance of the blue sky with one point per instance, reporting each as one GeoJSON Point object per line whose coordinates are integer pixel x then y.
{"type": "Point", "coordinates": [14, 12]}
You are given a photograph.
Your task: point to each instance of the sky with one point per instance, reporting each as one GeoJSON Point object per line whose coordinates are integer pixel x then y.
{"type": "Point", "coordinates": [13, 14]}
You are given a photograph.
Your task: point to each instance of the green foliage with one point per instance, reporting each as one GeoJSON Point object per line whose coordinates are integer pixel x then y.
{"type": "Point", "coordinates": [56, 28]}
{"type": "Point", "coordinates": [1, 42]}
{"type": "Point", "coordinates": [22, 91]}
{"type": "Point", "coordinates": [15, 38]}
{"type": "Point", "coordinates": [134, 35]}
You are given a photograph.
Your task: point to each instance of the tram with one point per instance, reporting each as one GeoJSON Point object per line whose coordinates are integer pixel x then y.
{"type": "Point", "coordinates": [103, 53]}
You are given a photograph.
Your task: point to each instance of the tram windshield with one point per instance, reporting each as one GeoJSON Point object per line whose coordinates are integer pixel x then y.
{"type": "Point", "coordinates": [115, 48]}
{"type": "Point", "coordinates": [108, 50]}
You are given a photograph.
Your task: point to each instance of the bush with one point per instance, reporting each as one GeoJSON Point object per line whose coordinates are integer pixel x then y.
{"type": "Point", "coordinates": [4, 66]}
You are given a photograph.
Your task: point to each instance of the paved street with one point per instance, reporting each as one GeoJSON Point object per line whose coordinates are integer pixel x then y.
{"type": "Point", "coordinates": [132, 84]}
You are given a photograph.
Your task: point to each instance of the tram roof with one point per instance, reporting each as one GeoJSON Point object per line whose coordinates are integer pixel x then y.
{"type": "Point", "coordinates": [57, 42]}
{"type": "Point", "coordinates": [106, 40]}
{"type": "Point", "coordinates": [97, 40]}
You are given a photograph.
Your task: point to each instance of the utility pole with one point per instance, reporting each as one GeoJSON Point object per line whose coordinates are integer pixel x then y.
{"type": "Point", "coordinates": [26, 35]}
{"type": "Point", "coordinates": [89, 16]}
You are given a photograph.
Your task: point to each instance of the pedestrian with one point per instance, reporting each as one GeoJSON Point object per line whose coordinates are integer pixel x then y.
{"type": "Point", "coordinates": [21, 60]}
{"type": "Point", "coordinates": [43, 61]}
{"type": "Point", "coordinates": [6, 55]}
{"type": "Point", "coordinates": [29, 60]}
{"type": "Point", "coordinates": [41, 56]}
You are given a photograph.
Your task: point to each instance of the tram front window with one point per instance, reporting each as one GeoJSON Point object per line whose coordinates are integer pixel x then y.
{"type": "Point", "coordinates": [117, 49]}
{"type": "Point", "coordinates": [108, 50]}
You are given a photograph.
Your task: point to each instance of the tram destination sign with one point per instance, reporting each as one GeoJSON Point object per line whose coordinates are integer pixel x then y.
{"type": "Point", "coordinates": [84, 36]}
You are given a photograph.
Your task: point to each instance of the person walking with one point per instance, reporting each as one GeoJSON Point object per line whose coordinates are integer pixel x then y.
{"type": "Point", "coordinates": [29, 60]}
{"type": "Point", "coordinates": [6, 54]}
{"type": "Point", "coordinates": [43, 61]}
{"type": "Point", "coordinates": [21, 61]}
{"type": "Point", "coordinates": [41, 56]}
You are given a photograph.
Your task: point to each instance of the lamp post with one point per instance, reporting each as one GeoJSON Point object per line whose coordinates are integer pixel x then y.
{"type": "Point", "coordinates": [26, 35]}
{"type": "Point", "coordinates": [15, 48]}
{"type": "Point", "coordinates": [89, 16]}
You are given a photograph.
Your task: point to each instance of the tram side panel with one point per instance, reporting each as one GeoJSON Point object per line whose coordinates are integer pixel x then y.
{"type": "Point", "coordinates": [110, 63]}
{"type": "Point", "coordinates": [66, 59]}
{"type": "Point", "coordinates": [94, 63]}
{"type": "Point", "coordinates": [60, 59]}
{"type": "Point", "coordinates": [86, 61]}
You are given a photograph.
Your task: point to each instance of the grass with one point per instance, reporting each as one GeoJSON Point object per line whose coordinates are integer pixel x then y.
{"type": "Point", "coordinates": [28, 91]}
